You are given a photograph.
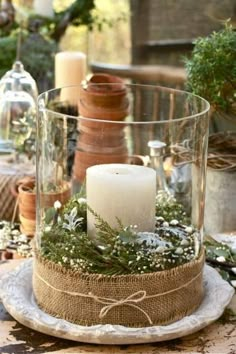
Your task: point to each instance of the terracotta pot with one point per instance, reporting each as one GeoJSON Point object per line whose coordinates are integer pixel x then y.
{"type": "Point", "coordinates": [80, 173]}
{"type": "Point", "coordinates": [93, 111]}
{"type": "Point", "coordinates": [27, 203]}
{"type": "Point", "coordinates": [136, 160]}
{"type": "Point", "coordinates": [102, 149]}
{"type": "Point", "coordinates": [104, 97]}
{"type": "Point", "coordinates": [48, 199]}
{"type": "Point", "coordinates": [93, 128]}
{"type": "Point", "coordinates": [105, 83]}
{"type": "Point", "coordinates": [106, 78]}
{"type": "Point", "coordinates": [27, 200]}
{"type": "Point", "coordinates": [27, 225]}
{"type": "Point", "coordinates": [90, 159]}
{"type": "Point", "coordinates": [103, 140]}
{"type": "Point", "coordinates": [88, 125]}
{"type": "Point", "coordinates": [83, 160]}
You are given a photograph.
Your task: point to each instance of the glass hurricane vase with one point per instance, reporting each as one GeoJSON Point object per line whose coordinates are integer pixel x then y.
{"type": "Point", "coordinates": [122, 179]}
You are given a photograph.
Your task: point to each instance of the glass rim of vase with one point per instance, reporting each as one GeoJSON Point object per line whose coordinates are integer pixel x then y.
{"type": "Point", "coordinates": [202, 113]}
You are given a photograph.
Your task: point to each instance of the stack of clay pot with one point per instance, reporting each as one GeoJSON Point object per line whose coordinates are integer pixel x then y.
{"type": "Point", "coordinates": [24, 191]}
{"type": "Point", "coordinates": [103, 98]}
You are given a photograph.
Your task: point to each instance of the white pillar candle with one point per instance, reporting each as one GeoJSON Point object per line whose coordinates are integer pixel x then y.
{"type": "Point", "coordinates": [121, 191]}
{"type": "Point", "coordinates": [70, 69]}
{"type": "Point", "coordinates": [43, 8]}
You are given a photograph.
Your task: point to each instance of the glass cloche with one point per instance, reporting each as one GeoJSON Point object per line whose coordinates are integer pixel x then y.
{"type": "Point", "coordinates": [17, 115]}
{"type": "Point", "coordinates": [26, 81]}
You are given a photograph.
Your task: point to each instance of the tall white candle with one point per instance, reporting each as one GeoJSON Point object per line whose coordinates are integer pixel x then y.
{"type": "Point", "coordinates": [43, 8]}
{"type": "Point", "coordinates": [121, 191]}
{"type": "Point", "coordinates": [70, 69]}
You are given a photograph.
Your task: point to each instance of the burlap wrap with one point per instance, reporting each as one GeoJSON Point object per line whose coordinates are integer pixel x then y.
{"type": "Point", "coordinates": [131, 300]}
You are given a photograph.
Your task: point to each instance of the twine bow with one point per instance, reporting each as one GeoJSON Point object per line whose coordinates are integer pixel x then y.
{"type": "Point", "coordinates": [130, 300]}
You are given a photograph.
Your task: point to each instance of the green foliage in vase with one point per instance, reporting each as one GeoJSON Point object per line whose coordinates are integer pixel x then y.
{"type": "Point", "coordinates": [79, 202]}
{"type": "Point", "coordinates": [211, 70]}
{"type": "Point", "coordinates": [170, 209]}
{"type": "Point", "coordinates": [115, 251]}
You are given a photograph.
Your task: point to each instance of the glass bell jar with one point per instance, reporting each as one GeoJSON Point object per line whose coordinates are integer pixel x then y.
{"type": "Point", "coordinates": [17, 117]}
{"type": "Point", "coordinates": [28, 84]}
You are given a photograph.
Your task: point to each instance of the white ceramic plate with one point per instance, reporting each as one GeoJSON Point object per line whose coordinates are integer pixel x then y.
{"type": "Point", "coordinates": [17, 296]}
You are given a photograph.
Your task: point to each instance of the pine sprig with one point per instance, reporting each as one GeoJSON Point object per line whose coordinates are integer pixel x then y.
{"type": "Point", "coordinates": [105, 232]}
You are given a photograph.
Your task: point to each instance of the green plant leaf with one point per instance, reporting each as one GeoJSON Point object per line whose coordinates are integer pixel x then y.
{"type": "Point", "coordinates": [50, 214]}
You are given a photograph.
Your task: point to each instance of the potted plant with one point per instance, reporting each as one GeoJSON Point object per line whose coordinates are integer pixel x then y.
{"type": "Point", "coordinates": [211, 73]}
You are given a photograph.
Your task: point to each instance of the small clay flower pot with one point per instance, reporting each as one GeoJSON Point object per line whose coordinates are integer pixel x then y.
{"type": "Point", "coordinates": [91, 158]}
{"type": "Point", "coordinates": [26, 194]}
{"type": "Point", "coordinates": [109, 79]}
{"type": "Point", "coordinates": [122, 149]}
{"type": "Point", "coordinates": [93, 111]}
{"type": "Point", "coordinates": [136, 160]}
{"type": "Point", "coordinates": [96, 138]}
{"type": "Point", "coordinates": [26, 197]}
{"type": "Point", "coordinates": [48, 199]}
{"type": "Point", "coordinates": [83, 160]}
{"type": "Point", "coordinates": [104, 97]}
{"type": "Point", "coordinates": [27, 226]}
{"type": "Point", "coordinates": [106, 127]}
{"type": "Point", "coordinates": [96, 128]}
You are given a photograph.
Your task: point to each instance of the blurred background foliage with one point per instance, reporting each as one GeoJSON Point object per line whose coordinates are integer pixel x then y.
{"type": "Point", "coordinates": [110, 31]}
{"type": "Point", "coordinates": [95, 27]}
{"type": "Point", "coordinates": [109, 40]}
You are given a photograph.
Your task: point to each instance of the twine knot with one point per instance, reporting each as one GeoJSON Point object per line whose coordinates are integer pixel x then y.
{"type": "Point", "coordinates": [130, 300]}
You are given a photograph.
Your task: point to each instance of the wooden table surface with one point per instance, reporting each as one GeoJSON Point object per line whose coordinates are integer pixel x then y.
{"type": "Point", "coordinates": [219, 337]}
